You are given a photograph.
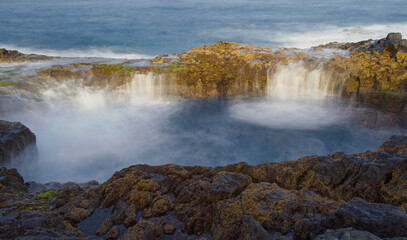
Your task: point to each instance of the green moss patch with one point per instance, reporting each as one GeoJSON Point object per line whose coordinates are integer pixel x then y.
{"type": "Point", "coordinates": [49, 194]}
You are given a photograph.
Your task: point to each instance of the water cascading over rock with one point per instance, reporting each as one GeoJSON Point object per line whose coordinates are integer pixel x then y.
{"type": "Point", "coordinates": [297, 82]}
{"type": "Point", "coordinates": [146, 87]}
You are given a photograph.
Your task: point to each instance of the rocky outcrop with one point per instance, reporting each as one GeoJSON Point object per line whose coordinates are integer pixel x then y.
{"type": "Point", "coordinates": [338, 195]}
{"type": "Point", "coordinates": [374, 75]}
{"type": "Point", "coordinates": [17, 143]}
{"type": "Point", "coordinates": [15, 56]}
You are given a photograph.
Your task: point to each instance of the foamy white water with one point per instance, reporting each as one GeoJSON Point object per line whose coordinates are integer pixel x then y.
{"type": "Point", "coordinates": [295, 82]}
{"type": "Point", "coordinates": [313, 35]}
{"type": "Point", "coordinates": [296, 99]}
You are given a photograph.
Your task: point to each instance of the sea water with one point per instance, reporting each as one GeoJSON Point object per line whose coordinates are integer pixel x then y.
{"type": "Point", "coordinates": [137, 28]}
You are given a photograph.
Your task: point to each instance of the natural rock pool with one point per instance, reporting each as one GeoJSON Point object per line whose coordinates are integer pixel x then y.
{"type": "Point", "coordinates": [85, 134]}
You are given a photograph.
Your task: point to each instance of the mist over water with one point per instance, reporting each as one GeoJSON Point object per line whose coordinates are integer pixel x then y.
{"type": "Point", "coordinates": [85, 134]}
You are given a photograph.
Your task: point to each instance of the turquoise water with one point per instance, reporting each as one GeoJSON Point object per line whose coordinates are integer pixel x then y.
{"type": "Point", "coordinates": [145, 28]}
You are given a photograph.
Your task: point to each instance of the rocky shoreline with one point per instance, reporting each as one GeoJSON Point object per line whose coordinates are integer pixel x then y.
{"type": "Point", "coordinates": [369, 74]}
{"type": "Point", "coordinates": [335, 196]}
{"type": "Point", "coordinates": [316, 197]}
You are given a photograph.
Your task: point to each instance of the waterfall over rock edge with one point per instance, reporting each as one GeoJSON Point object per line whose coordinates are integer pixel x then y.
{"type": "Point", "coordinates": [296, 82]}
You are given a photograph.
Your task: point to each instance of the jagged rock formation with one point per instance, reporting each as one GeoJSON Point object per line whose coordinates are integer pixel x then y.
{"type": "Point", "coordinates": [17, 142]}
{"type": "Point", "coordinates": [290, 200]}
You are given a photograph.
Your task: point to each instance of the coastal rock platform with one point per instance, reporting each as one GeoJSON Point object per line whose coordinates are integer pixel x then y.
{"type": "Point", "coordinates": [321, 197]}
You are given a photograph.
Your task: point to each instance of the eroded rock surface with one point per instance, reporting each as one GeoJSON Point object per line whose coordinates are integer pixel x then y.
{"type": "Point", "coordinates": [360, 195]}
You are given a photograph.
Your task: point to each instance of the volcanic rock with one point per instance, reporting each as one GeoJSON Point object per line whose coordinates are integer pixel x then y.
{"type": "Point", "coordinates": [17, 143]}
{"type": "Point", "coordinates": [346, 234]}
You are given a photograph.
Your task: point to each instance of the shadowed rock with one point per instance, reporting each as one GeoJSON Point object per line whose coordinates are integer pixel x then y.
{"type": "Point", "coordinates": [17, 144]}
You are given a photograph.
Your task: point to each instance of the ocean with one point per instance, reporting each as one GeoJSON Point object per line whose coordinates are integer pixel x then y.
{"type": "Point", "coordinates": [140, 29]}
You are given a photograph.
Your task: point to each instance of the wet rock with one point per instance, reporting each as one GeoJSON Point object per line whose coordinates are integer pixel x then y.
{"type": "Point", "coordinates": [222, 185]}
{"type": "Point", "coordinates": [17, 144]}
{"type": "Point", "coordinates": [77, 214]}
{"type": "Point", "coordinates": [394, 144]}
{"type": "Point", "coordinates": [26, 224]}
{"type": "Point", "coordinates": [12, 179]}
{"type": "Point", "coordinates": [346, 234]}
{"type": "Point", "coordinates": [144, 230]}
{"type": "Point", "coordinates": [279, 210]}
{"type": "Point", "coordinates": [169, 229]}
{"type": "Point", "coordinates": [252, 230]}
{"type": "Point", "coordinates": [383, 220]}
{"type": "Point", "coordinates": [309, 228]}
{"type": "Point", "coordinates": [228, 219]}
{"type": "Point", "coordinates": [116, 189]}
{"type": "Point", "coordinates": [34, 187]}
{"type": "Point", "coordinates": [130, 217]}
{"type": "Point", "coordinates": [113, 233]}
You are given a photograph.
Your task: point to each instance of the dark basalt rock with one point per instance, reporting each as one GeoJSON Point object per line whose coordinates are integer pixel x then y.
{"type": "Point", "coordinates": [346, 234]}
{"type": "Point", "coordinates": [17, 143]}
{"type": "Point", "coordinates": [361, 195]}
{"type": "Point", "coordinates": [383, 220]}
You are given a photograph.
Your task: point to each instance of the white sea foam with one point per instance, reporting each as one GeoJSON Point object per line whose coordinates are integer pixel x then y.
{"type": "Point", "coordinates": [309, 36]}
{"type": "Point", "coordinates": [91, 52]}
{"type": "Point", "coordinates": [295, 82]}
{"type": "Point", "coordinates": [326, 34]}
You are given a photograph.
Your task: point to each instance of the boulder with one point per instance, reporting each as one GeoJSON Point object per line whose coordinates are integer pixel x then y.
{"type": "Point", "coordinates": [17, 144]}
{"type": "Point", "coordinates": [383, 220]}
{"type": "Point", "coordinates": [394, 36]}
